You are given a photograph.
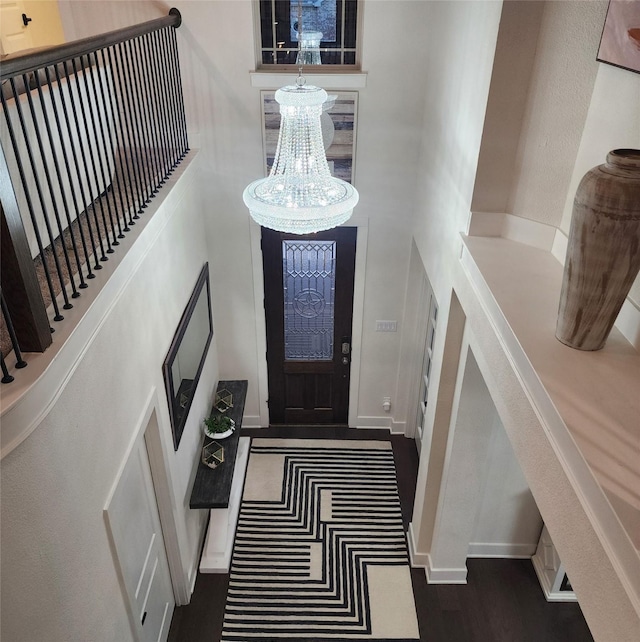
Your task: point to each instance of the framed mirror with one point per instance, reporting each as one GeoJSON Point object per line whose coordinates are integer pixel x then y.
{"type": "Point", "coordinates": [187, 353]}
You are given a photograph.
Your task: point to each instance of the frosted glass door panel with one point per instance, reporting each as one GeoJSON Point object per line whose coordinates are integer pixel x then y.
{"type": "Point", "coordinates": [309, 282]}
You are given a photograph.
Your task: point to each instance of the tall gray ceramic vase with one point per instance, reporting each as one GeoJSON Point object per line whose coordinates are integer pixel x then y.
{"type": "Point", "coordinates": [603, 254]}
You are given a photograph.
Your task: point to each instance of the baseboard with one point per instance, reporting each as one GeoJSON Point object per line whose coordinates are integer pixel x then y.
{"type": "Point", "coordinates": [445, 575]}
{"type": "Point", "coordinates": [545, 584]}
{"type": "Point", "coordinates": [251, 421]}
{"type": "Point", "coordinates": [502, 550]}
{"type": "Point", "coordinates": [386, 422]}
{"type": "Point", "coordinates": [373, 422]}
{"type": "Point", "coordinates": [398, 427]}
{"type": "Point", "coordinates": [515, 228]}
{"type": "Point", "coordinates": [628, 322]}
{"type": "Point", "coordinates": [559, 246]}
{"type": "Point", "coordinates": [418, 560]}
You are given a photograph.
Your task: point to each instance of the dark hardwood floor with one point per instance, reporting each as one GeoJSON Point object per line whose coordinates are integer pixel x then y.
{"type": "Point", "coordinates": [501, 602]}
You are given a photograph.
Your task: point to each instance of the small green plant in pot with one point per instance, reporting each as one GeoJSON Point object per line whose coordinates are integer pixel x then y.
{"type": "Point", "coordinates": [218, 426]}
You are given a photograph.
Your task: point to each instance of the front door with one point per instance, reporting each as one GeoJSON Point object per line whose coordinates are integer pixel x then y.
{"type": "Point", "coordinates": [308, 283]}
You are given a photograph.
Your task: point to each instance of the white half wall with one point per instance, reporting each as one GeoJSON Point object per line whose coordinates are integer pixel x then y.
{"type": "Point", "coordinates": [54, 543]}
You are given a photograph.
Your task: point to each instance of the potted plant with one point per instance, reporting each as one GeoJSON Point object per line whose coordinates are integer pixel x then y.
{"type": "Point", "coordinates": [218, 426]}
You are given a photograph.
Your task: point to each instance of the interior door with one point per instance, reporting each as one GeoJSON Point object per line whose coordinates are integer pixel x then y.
{"type": "Point", "coordinates": [14, 26]}
{"type": "Point", "coordinates": [308, 283]}
{"type": "Point", "coordinates": [134, 524]}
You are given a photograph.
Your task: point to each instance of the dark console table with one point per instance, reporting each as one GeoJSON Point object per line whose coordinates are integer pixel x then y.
{"type": "Point", "coordinates": [212, 486]}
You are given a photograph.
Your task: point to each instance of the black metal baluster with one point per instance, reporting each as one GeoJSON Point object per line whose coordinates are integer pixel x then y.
{"type": "Point", "coordinates": [6, 377]}
{"type": "Point", "coordinates": [87, 172]}
{"type": "Point", "coordinates": [171, 106]}
{"type": "Point", "coordinates": [144, 115]}
{"type": "Point", "coordinates": [83, 209]}
{"type": "Point", "coordinates": [91, 113]}
{"type": "Point", "coordinates": [36, 227]}
{"type": "Point", "coordinates": [21, 172]}
{"type": "Point", "coordinates": [74, 201]}
{"type": "Point", "coordinates": [78, 210]}
{"type": "Point", "coordinates": [178, 76]}
{"type": "Point", "coordinates": [67, 304]}
{"type": "Point", "coordinates": [106, 173]}
{"type": "Point", "coordinates": [152, 122]}
{"type": "Point", "coordinates": [125, 114]}
{"type": "Point", "coordinates": [113, 134]}
{"type": "Point", "coordinates": [143, 155]}
{"type": "Point", "coordinates": [135, 126]}
{"type": "Point", "coordinates": [101, 228]}
{"type": "Point", "coordinates": [45, 112]}
{"type": "Point", "coordinates": [158, 74]}
{"type": "Point", "coordinates": [153, 93]}
{"type": "Point", "coordinates": [175, 97]}
{"type": "Point", "coordinates": [102, 195]}
{"type": "Point", "coordinates": [20, 362]}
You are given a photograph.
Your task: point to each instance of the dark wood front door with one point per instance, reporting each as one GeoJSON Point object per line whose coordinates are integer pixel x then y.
{"type": "Point", "coordinates": [308, 283]}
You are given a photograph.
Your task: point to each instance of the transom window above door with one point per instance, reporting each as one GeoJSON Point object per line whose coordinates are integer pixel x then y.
{"type": "Point", "coordinates": [281, 21]}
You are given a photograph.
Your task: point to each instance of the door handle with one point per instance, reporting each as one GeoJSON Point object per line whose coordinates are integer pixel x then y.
{"type": "Point", "coordinates": [26, 20]}
{"type": "Point", "coordinates": [346, 350]}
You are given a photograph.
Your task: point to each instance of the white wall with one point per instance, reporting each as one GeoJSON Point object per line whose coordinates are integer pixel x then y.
{"type": "Point", "coordinates": [508, 95]}
{"type": "Point", "coordinates": [612, 122]}
{"type": "Point", "coordinates": [223, 114]}
{"type": "Point", "coordinates": [558, 107]}
{"type": "Point", "coordinates": [457, 68]}
{"type": "Point", "coordinates": [59, 578]}
{"type": "Point", "coordinates": [576, 110]}
{"type": "Point", "coordinates": [420, 127]}
{"type": "Point", "coordinates": [559, 94]}
{"type": "Point", "coordinates": [507, 521]}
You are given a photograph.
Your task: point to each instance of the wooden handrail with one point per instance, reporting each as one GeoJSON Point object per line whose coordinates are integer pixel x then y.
{"type": "Point", "coordinates": [19, 63]}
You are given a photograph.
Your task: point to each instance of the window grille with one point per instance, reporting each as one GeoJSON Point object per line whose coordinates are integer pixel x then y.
{"type": "Point", "coordinates": [335, 19]}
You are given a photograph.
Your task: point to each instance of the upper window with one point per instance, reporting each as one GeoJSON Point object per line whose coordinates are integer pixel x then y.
{"type": "Point", "coordinates": [281, 21]}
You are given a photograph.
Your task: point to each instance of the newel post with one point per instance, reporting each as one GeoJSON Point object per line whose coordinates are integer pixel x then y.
{"type": "Point", "coordinates": [19, 282]}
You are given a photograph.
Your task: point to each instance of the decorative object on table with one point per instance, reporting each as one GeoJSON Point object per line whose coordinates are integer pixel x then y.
{"type": "Point", "coordinates": [603, 254]}
{"type": "Point", "coordinates": [219, 426]}
{"type": "Point", "coordinates": [212, 454]}
{"type": "Point", "coordinates": [185, 359]}
{"type": "Point", "coordinates": [223, 400]}
{"type": "Point", "coordinates": [620, 42]}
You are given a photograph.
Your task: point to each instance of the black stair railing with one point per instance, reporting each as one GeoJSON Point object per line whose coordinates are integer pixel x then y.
{"type": "Point", "coordinates": [90, 131]}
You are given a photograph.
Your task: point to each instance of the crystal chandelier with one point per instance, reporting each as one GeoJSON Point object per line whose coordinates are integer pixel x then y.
{"type": "Point", "coordinates": [309, 48]}
{"type": "Point", "coordinates": [300, 195]}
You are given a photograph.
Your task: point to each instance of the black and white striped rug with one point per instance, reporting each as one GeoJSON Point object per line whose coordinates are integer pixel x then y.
{"type": "Point", "coordinates": [320, 551]}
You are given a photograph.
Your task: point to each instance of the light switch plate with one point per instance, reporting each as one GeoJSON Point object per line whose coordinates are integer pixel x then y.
{"type": "Point", "coordinates": [386, 326]}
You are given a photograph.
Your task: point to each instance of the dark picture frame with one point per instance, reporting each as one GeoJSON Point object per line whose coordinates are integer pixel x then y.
{"type": "Point", "coordinates": [184, 362]}
{"type": "Point", "coordinates": [620, 41]}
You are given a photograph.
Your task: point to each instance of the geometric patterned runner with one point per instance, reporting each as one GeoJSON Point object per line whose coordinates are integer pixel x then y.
{"type": "Point", "coordinates": [320, 551]}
